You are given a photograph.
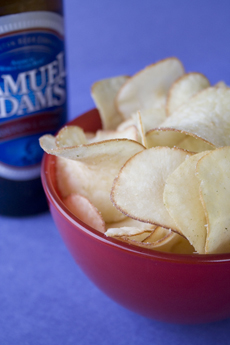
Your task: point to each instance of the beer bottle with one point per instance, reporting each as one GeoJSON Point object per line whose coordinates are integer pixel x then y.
{"type": "Point", "coordinates": [32, 97]}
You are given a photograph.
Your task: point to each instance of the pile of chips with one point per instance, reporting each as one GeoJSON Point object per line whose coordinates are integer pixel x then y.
{"type": "Point", "coordinates": [158, 173]}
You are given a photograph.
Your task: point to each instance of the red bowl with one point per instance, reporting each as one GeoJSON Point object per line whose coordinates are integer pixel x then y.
{"type": "Point", "coordinates": [167, 287]}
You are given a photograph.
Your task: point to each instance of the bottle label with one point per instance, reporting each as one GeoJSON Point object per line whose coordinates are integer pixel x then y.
{"type": "Point", "coordinates": [32, 86]}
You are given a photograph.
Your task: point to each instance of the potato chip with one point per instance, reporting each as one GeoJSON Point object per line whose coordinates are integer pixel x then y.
{"type": "Point", "coordinates": [182, 200]}
{"type": "Point", "coordinates": [205, 117]}
{"type": "Point", "coordinates": [138, 189]}
{"type": "Point", "coordinates": [89, 170]}
{"type": "Point", "coordinates": [83, 209]}
{"type": "Point", "coordinates": [103, 93]}
{"type": "Point", "coordinates": [148, 88]}
{"type": "Point", "coordinates": [213, 171]}
{"type": "Point", "coordinates": [184, 88]}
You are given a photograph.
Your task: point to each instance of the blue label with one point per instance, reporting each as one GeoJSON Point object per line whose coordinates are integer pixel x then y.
{"type": "Point", "coordinates": [32, 93]}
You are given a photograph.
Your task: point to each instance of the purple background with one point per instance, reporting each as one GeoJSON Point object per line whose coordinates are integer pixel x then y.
{"type": "Point", "coordinates": [44, 297]}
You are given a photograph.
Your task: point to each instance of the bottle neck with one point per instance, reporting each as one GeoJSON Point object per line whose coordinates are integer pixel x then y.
{"type": "Point", "coordinates": [18, 6]}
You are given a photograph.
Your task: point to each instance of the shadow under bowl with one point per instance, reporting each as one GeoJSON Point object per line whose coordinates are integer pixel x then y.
{"type": "Point", "coordinates": [174, 288]}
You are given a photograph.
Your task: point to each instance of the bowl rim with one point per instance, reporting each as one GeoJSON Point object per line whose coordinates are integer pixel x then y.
{"type": "Point", "coordinates": [55, 200]}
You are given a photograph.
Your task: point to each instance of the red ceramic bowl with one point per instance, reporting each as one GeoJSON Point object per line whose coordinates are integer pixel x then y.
{"type": "Point", "coordinates": [167, 287]}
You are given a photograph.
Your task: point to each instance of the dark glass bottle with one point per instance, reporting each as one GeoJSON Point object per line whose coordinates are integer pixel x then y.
{"type": "Point", "coordinates": [32, 97]}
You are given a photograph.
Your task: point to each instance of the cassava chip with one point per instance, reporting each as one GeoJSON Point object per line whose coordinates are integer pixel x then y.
{"type": "Point", "coordinates": [130, 132]}
{"type": "Point", "coordinates": [103, 93]}
{"type": "Point", "coordinates": [152, 118]}
{"type": "Point", "coordinates": [70, 136]}
{"type": "Point", "coordinates": [126, 231]}
{"type": "Point", "coordinates": [184, 88]}
{"type": "Point", "coordinates": [160, 239]}
{"type": "Point", "coordinates": [206, 116]}
{"type": "Point", "coordinates": [157, 174]}
{"type": "Point", "coordinates": [89, 170]}
{"type": "Point", "coordinates": [157, 235]}
{"type": "Point", "coordinates": [171, 138]}
{"type": "Point", "coordinates": [138, 189]}
{"type": "Point", "coordinates": [148, 88]}
{"type": "Point", "coordinates": [182, 200]}
{"type": "Point", "coordinates": [48, 141]}
{"type": "Point", "coordinates": [140, 127]}
{"type": "Point", "coordinates": [135, 120]}
{"type": "Point", "coordinates": [83, 209]}
{"type": "Point", "coordinates": [194, 144]}
{"type": "Point", "coordinates": [182, 246]}
{"type": "Point", "coordinates": [137, 238]}
{"type": "Point", "coordinates": [129, 222]}
{"type": "Point", "coordinates": [152, 238]}
{"type": "Point", "coordinates": [164, 137]}
{"type": "Point", "coordinates": [77, 177]}
{"type": "Point", "coordinates": [213, 171]}
{"type": "Point", "coordinates": [221, 84]}
{"type": "Point", "coordinates": [168, 241]}
{"type": "Point", "coordinates": [128, 227]}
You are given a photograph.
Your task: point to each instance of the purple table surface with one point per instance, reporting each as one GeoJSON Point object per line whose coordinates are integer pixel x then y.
{"type": "Point", "coordinates": [44, 297]}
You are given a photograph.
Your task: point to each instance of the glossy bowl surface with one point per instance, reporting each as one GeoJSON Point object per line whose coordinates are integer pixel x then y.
{"type": "Point", "coordinates": [166, 287]}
